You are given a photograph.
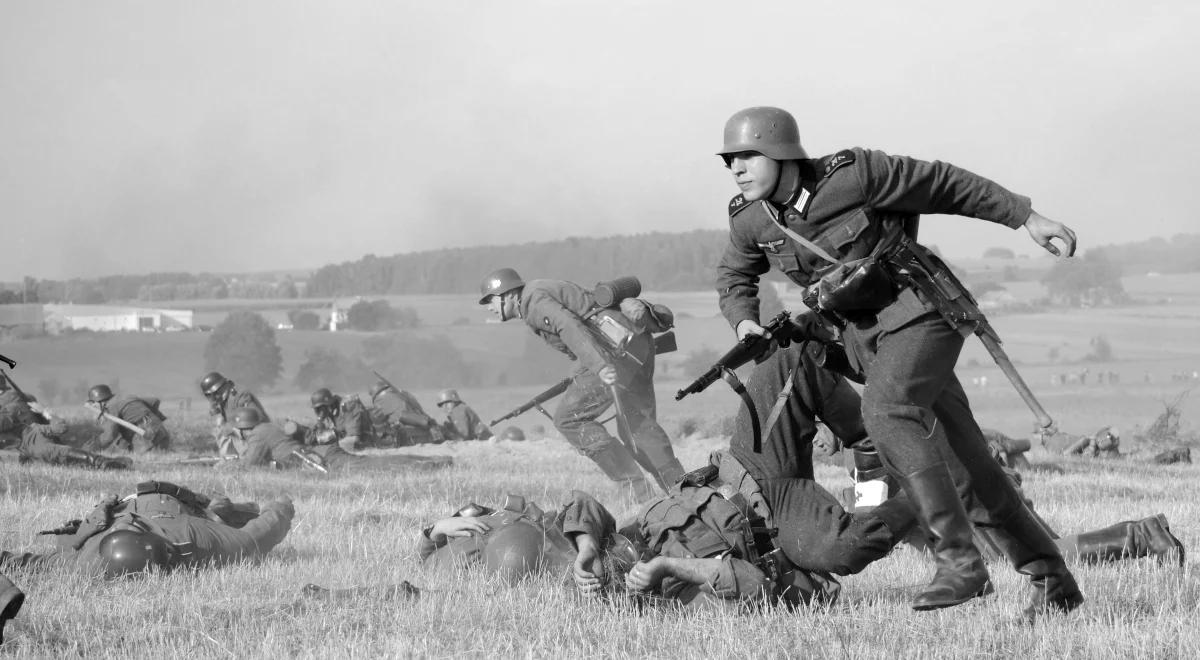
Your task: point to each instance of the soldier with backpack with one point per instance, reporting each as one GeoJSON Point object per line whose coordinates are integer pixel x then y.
{"type": "Point", "coordinates": [131, 423]}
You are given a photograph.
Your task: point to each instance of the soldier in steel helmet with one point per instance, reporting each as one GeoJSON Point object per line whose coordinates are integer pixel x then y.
{"type": "Point", "coordinates": [555, 310]}
{"type": "Point", "coordinates": [807, 216]}
{"type": "Point", "coordinates": [462, 422]}
{"type": "Point", "coordinates": [140, 412]}
{"type": "Point", "coordinates": [397, 413]}
{"type": "Point", "coordinates": [223, 398]}
{"type": "Point", "coordinates": [42, 442]}
{"type": "Point", "coordinates": [17, 411]}
{"type": "Point", "coordinates": [268, 445]}
{"type": "Point", "coordinates": [162, 526]}
{"type": "Point", "coordinates": [341, 420]}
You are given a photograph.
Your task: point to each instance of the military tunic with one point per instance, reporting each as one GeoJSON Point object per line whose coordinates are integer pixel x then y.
{"type": "Point", "coordinates": [268, 446]}
{"type": "Point", "coordinates": [852, 205]}
{"type": "Point", "coordinates": [462, 423]}
{"type": "Point", "coordinates": [196, 540]}
{"type": "Point", "coordinates": [555, 310]}
{"type": "Point", "coordinates": [142, 412]}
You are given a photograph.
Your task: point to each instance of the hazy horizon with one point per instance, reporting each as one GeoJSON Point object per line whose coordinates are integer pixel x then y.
{"type": "Point", "coordinates": [269, 136]}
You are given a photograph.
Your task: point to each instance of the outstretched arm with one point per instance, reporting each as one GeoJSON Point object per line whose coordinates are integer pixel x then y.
{"type": "Point", "coordinates": [1043, 230]}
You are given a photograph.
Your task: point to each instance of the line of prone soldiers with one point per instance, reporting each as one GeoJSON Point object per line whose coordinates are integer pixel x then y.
{"type": "Point", "coordinates": [136, 423]}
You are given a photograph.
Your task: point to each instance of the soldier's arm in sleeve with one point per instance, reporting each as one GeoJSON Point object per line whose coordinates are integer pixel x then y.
{"type": "Point", "coordinates": [552, 315]}
{"type": "Point", "coordinates": [475, 423]}
{"type": "Point", "coordinates": [742, 264]}
{"type": "Point", "coordinates": [582, 514]}
{"type": "Point", "coordinates": [908, 185]}
{"type": "Point", "coordinates": [270, 526]}
{"type": "Point", "coordinates": [727, 578]}
{"type": "Point", "coordinates": [426, 546]}
{"type": "Point", "coordinates": [257, 453]}
{"type": "Point", "coordinates": [109, 434]}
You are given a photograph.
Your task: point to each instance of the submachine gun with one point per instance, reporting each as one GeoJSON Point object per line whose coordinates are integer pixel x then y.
{"type": "Point", "coordinates": [780, 333]}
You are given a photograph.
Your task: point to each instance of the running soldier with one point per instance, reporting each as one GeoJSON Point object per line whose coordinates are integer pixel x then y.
{"type": "Point", "coordinates": [567, 317]}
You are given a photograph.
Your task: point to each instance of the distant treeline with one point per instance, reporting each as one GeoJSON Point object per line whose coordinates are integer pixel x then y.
{"type": "Point", "coordinates": [681, 261]}
{"type": "Point", "coordinates": [663, 261]}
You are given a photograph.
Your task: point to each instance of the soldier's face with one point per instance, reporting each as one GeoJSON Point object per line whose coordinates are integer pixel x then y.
{"type": "Point", "coordinates": [504, 306]}
{"type": "Point", "coordinates": [755, 174]}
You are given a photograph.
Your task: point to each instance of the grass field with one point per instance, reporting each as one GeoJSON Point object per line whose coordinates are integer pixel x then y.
{"type": "Point", "coordinates": [361, 530]}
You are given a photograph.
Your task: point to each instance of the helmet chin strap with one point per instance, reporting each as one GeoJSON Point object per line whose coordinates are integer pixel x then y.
{"type": "Point", "coordinates": [787, 188]}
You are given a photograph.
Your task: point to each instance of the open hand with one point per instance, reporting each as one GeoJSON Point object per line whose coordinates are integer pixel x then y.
{"type": "Point", "coordinates": [456, 526]}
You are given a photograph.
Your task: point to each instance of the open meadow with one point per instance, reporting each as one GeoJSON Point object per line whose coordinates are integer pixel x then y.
{"type": "Point", "coordinates": [362, 529]}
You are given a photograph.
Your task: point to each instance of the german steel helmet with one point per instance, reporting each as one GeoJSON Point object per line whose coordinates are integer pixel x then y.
{"type": "Point", "coordinates": [515, 551]}
{"type": "Point", "coordinates": [771, 132]}
{"type": "Point", "coordinates": [501, 280]}
{"type": "Point", "coordinates": [246, 418]}
{"type": "Point", "coordinates": [323, 397]}
{"type": "Point", "coordinates": [377, 388]}
{"type": "Point", "coordinates": [100, 394]}
{"type": "Point", "coordinates": [448, 396]}
{"type": "Point", "coordinates": [127, 551]}
{"type": "Point", "coordinates": [212, 383]}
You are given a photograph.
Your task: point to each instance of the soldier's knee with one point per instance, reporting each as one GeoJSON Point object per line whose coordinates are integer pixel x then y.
{"type": "Point", "coordinates": [593, 444]}
{"type": "Point", "coordinates": [879, 414]}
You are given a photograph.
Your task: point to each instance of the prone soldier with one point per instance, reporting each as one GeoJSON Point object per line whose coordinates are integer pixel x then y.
{"type": "Point", "coordinates": [41, 442]}
{"type": "Point", "coordinates": [131, 423]}
{"type": "Point", "coordinates": [16, 413]}
{"type": "Point", "coordinates": [462, 423]}
{"type": "Point", "coordinates": [843, 227]}
{"type": "Point", "coordinates": [161, 526]}
{"type": "Point", "coordinates": [340, 420]}
{"type": "Point", "coordinates": [223, 398]}
{"type": "Point", "coordinates": [615, 350]}
{"type": "Point", "coordinates": [398, 413]}
{"type": "Point", "coordinates": [267, 445]}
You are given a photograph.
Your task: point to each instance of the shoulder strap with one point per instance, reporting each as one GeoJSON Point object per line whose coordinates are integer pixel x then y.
{"type": "Point", "coordinates": [809, 245]}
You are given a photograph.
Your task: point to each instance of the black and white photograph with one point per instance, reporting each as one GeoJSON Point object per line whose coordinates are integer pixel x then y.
{"type": "Point", "coordinates": [531, 329]}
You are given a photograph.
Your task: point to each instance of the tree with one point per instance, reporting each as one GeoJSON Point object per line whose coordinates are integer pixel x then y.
{"type": "Point", "coordinates": [243, 348]}
{"type": "Point", "coordinates": [1093, 279]}
{"type": "Point", "coordinates": [303, 319]}
{"type": "Point", "coordinates": [326, 367]}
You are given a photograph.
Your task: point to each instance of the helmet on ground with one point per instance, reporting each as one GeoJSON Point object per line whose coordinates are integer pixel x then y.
{"type": "Point", "coordinates": [212, 383]}
{"type": "Point", "coordinates": [448, 396]}
{"type": "Point", "coordinates": [377, 388]}
{"type": "Point", "coordinates": [100, 394]}
{"type": "Point", "coordinates": [324, 398]}
{"type": "Point", "coordinates": [1108, 438]}
{"type": "Point", "coordinates": [128, 551]}
{"type": "Point", "coordinates": [501, 280]}
{"type": "Point", "coordinates": [769, 131]}
{"type": "Point", "coordinates": [246, 418]}
{"type": "Point", "coordinates": [515, 551]}
{"type": "Point", "coordinates": [513, 433]}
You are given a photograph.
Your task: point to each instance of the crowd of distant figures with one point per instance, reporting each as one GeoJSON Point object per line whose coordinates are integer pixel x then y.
{"type": "Point", "coordinates": [1088, 377]}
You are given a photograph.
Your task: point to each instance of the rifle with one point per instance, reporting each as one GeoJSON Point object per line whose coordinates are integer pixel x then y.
{"type": "Point", "coordinates": [537, 401]}
{"type": "Point", "coordinates": [17, 388]}
{"type": "Point", "coordinates": [914, 265]}
{"type": "Point", "coordinates": [113, 418]}
{"type": "Point", "coordinates": [310, 461]}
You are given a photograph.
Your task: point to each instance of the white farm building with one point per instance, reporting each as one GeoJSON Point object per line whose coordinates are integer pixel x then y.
{"type": "Point", "coordinates": [108, 318]}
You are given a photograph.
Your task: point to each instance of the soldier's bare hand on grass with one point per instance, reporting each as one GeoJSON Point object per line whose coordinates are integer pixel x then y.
{"type": "Point", "coordinates": [588, 570]}
{"type": "Point", "coordinates": [1043, 230]}
{"type": "Point", "coordinates": [457, 526]}
{"type": "Point", "coordinates": [646, 575]}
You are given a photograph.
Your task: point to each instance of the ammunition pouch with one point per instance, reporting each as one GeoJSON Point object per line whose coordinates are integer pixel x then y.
{"type": "Point", "coordinates": [862, 285]}
{"type": "Point", "coordinates": [665, 343]}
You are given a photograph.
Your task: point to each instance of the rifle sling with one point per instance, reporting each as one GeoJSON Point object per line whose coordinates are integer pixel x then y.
{"type": "Point", "coordinates": [777, 409]}
{"type": "Point", "coordinates": [729, 377]}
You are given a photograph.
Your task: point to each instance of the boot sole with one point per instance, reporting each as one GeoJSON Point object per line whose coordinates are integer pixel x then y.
{"type": "Point", "coordinates": [985, 590]}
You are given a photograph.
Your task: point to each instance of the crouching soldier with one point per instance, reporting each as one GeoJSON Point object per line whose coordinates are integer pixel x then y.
{"type": "Point", "coordinates": [223, 398]}
{"type": "Point", "coordinates": [462, 422]}
{"type": "Point", "coordinates": [161, 526]}
{"type": "Point", "coordinates": [341, 421]}
{"type": "Point", "coordinates": [130, 423]}
{"type": "Point", "coordinates": [267, 445]}
{"type": "Point", "coordinates": [398, 414]}
{"type": "Point", "coordinates": [614, 344]}
{"type": "Point", "coordinates": [42, 442]}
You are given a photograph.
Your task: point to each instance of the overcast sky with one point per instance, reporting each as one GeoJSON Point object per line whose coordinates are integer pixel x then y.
{"type": "Point", "coordinates": [242, 136]}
